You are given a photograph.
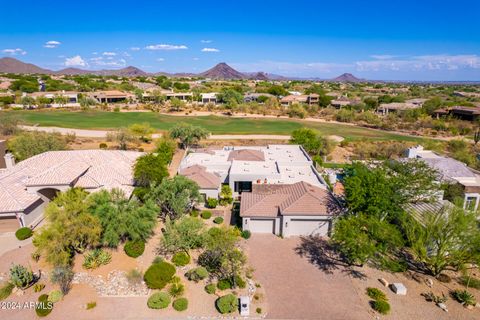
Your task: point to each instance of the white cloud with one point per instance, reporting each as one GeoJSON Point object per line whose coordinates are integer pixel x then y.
{"type": "Point", "coordinates": [135, 48]}
{"type": "Point", "coordinates": [15, 52]}
{"type": "Point", "coordinates": [160, 59]}
{"type": "Point", "coordinates": [382, 56]}
{"type": "Point", "coordinates": [206, 41]}
{"type": "Point", "coordinates": [112, 54]}
{"type": "Point", "coordinates": [52, 44]}
{"type": "Point", "coordinates": [75, 61]}
{"type": "Point", "coordinates": [108, 62]}
{"type": "Point", "coordinates": [210, 50]}
{"type": "Point", "coordinates": [166, 47]}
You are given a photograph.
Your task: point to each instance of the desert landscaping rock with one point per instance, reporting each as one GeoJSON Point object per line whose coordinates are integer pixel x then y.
{"type": "Point", "coordinates": [384, 282]}
{"type": "Point", "coordinates": [116, 284]}
{"type": "Point", "coordinates": [399, 289]}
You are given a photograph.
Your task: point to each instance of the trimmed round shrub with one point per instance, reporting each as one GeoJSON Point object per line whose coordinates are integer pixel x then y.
{"type": "Point", "coordinates": [224, 284]}
{"type": "Point", "coordinates": [23, 233]}
{"type": "Point", "coordinates": [194, 213]}
{"type": "Point", "coordinates": [55, 296]}
{"type": "Point", "coordinates": [181, 304]}
{"type": "Point", "coordinates": [211, 203]}
{"type": "Point", "coordinates": [210, 288]}
{"type": "Point", "coordinates": [218, 220]}
{"type": "Point", "coordinates": [158, 275]}
{"type": "Point", "coordinates": [158, 300]}
{"type": "Point", "coordinates": [134, 248]}
{"type": "Point", "coordinates": [181, 259]}
{"type": "Point", "coordinates": [44, 307]}
{"type": "Point", "coordinates": [381, 306]}
{"type": "Point", "coordinates": [240, 282]}
{"type": "Point", "coordinates": [197, 274]}
{"type": "Point", "coordinates": [227, 304]}
{"type": "Point", "coordinates": [103, 145]}
{"type": "Point", "coordinates": [246, 234]}
{"type": "Point", "coordinates": [376, 294]}
{"type": "Point", "coordinates": [206, 214]}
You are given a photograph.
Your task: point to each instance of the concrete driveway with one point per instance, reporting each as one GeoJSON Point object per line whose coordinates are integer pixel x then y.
{"type": "Point", "coordinates": [300, 283]}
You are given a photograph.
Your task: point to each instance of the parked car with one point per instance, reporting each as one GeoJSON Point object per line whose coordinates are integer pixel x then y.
{"type": "Point", "coordinates": [244, 306]}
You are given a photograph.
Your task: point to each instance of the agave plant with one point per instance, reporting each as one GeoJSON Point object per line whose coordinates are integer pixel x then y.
{"type": "Point", "coordinates": [20, 276]}
{"type": "Point", "coordinates": [96, 258]}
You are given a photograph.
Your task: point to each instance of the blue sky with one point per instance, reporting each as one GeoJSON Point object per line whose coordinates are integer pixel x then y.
{"type": "Point", "coordinates": [390, 40]}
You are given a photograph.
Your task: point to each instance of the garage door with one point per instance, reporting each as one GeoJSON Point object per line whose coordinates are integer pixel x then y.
{"type": "Point", "coordinates": [262, 225]}
{"type": "Point", "coordinates": [300, 227]}
{"type": "Point", "coordinates": [8, 224]}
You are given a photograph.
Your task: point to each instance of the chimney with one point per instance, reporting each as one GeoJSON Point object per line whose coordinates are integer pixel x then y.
{"type": "Point", "coordinates": [3, 150]}
{"type": "Point", "coordinates": [9, 160]}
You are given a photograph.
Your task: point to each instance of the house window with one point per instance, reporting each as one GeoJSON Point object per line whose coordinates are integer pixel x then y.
{"type": "Point", "coordinates": [243, 186]}
{"type": "Point", "coordinates": [470, 203]}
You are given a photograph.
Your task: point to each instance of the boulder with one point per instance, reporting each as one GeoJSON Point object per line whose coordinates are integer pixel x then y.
{"type": "Point", "coordinates": [384, 282]}
{"type": "Point", "coordinates": [399, 288]}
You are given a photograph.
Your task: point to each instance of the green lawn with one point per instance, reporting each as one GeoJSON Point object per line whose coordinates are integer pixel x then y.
{"type": "Point", "coordinates": [215, 124]}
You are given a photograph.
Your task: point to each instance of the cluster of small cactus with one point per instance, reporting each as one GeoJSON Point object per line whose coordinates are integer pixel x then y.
{"type": "Point", "coordinates": [20, 276]}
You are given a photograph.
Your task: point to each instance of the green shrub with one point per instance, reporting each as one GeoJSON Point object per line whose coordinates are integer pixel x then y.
{"type": "Point", "coordinates": [197, 274]}
{"type": "Point", "coordinates": [224, 284]}
{"type": "Point", "coordinates": [96, 258]}
{"type": "Point", "coordinates": [158, 275]}
{"type": "Point", "coordinates": [103, 145]}
{"type": "Point", "coordinates": [23, 233]}
{"type": "Point", "coordinates": [258, 310]}
{"type": "Point", "coordinates": [470, 282]}
{"type": "Point", "coordinates": [176, 290]}
{"type": "Point", "coordinates": [37, 287]}
{"type": "Point", "coordinates": [55, 295]}
{"type": "Point", "coordinates": [218, 220]}
{"type": "Point", "coordinates": [381, 306]}
{"type": "Point", "coordinates": [246, 234]}
{"type": "Point", "coordinates": [464, 297]}
{"type": "Point", "coordinates": [134, 248]}
{"type": "Point", "coordinates": [91, 305]}
{"type": "Point", "coordinates": [44, 307]}
{"type": "Point", "coordinates": [181, 304]}
{"type": "Point", "coordinates": [376, 294]}
{"type": "Point", "coordinates": [211, 203]}
{"type": "Point", "coordinates": [6, 290]}
{"type": "Point", "coordinates": [158, 259]}
{"type": "Point", "coordinates": [194, 213]}
{"type": "Point", "coordinates": [210, 288]}
{"type": "Point", "coordinates": [20, 277]}
{"type": "Point", "coordinates": [158, 300]}
{"type": "Point", "coordinates": [240, 282]}
{"type": "Point", "coordinates": [206, 214]}
{"type": "Point", "coordinates": [227, 304]}
{"type": "Point", "coordinates": [181, 259]}
{"type": "Point", "coordinates": [134, 276]}
{"type": "Point", "coordinates": [35, 256]}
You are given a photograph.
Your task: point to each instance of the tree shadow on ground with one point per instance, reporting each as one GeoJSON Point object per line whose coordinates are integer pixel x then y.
{"type": "Point", "coordinates": [323, 255]}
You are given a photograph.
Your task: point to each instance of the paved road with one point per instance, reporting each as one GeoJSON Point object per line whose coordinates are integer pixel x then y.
{"type": "Point", "coordinates": [103, 133]}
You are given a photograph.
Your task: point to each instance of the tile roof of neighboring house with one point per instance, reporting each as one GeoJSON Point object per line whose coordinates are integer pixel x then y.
{"type": "Point", "coordinates": [90, 169]}
{"type": "Point", "coordinates": [420, 209]}
{"type": "Point", "coordinates": [398, 106]}
{"type": "Point", "coordinates": [246, 155]}
{"type": "Point", "coordinates": [449, 168]}
{"type": "Point", "coordinates": [300, 198]}
{"type": "Point", "coordinates": [204, 179]}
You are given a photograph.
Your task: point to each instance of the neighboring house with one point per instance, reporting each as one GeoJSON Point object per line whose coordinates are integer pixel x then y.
{"type": "Point", "coordinates": [210, 97]}
{"type": "Point", "coordinates": [343, 102]}
{"type": "Point", "coordinates": [243, 167]}
{"type": "Point", "coordinates": [452, 171]}
{"type": "Point", "coordinates": [184, 96]}
{"type": "Point", "coordinates": [209, 183]}
{"type": "Point", "coordinates": [253, 97]}
{"type": "Point", "coordinates": [309, 99]}
{"type": "Point", "coordinates": [27, 187]}
{"type": "Point", "coordinates": [417, 101]}
{"type": "Point", "coordinates": [464, 113]}
{"type": "Point", "coordinates": [112, 96]}
{"type": "Point", "coordinates": [72, 97]}
{"type": "Point", "coordinates": [298, 209]}
{"type": "Point", "coordinates": [386, 108]}
{"type": "Point", "coordinates": [466, 94]}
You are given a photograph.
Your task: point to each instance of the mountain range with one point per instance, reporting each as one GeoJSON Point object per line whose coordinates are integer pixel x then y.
{"type": "Point", "coordinates": [221, 71]}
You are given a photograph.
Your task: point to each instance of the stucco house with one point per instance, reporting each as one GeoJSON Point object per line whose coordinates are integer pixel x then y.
{"type": "Point", "coordinates": [27, 187]}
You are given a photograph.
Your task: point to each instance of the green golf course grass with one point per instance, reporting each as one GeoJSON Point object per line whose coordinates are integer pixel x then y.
{"type": "Point", "coordinates": [215, 124]}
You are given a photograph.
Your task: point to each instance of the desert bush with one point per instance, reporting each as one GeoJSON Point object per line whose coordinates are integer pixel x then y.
{"type": "Point", "coordinates": [218, 220]}
{"type": "Point", "coordinates": [20, 277]}
{"type": "Point", "coordinates": [158, 259]}
{"type": "Point", "coordinates": [194, 213]}
{"type": "Point", "coordinates": [197, 274]}
{"type": "Point", "coordinates": [180, 304]}
{"type": "Point", "coordinates": [470, 282]}
{"type": "Point", "coordinates": [6, 290]}
{"type": "Point", "coordinates": [206, 214]}
{"type": "Point", "coordinates": [158, 300]}
{"type": "Point", "coordinates": [240, 282]}
{"type": "Point", "coordinates": [91, 305]}
{"type": "Point", "coordinates": [159, 274]}
{"type": "Point", "coordinates": [258, 310]}
{"type": "Point", "coordinates": [103, 146]}
{"type": "Point", "coordinates": [227, 304]}
{"type": "Point", "coordinates": [176, 290]}
{"type": "Point", "coordinates": [381, 306]}
{"type": "Point", "coordinates": [35, 256]}
{"type": "Point", "coordinates": [55, 295]}
{"type": "Point", "coordinates": [96, 258]}
{"type": "Point", "coordinates": [181, 259]}
{"type": "Point", "coordinates": [134, 248]}
{"type": "Point", "coordinates": [210, 288]}
{"type": "Point", "coordinates": [23, 233]}
{"type": "Point", "coordinates": [464, 297]}
{"type": "Point", "coordinates": [62, 276]}
{"type": "Point", "coordinates": [37, 287]}
{"type": "Point", "coordinates": [224, 284]}
{"type": "Point", "coordinates": [246, 234]}
{"type": "Point", "coordinates": [431, 297]}
{"type": "Point", "coordinates": [134, 277]}
{"type": "Point", "coordinates": [211, 203]}
{"type": "Point", "coordinates": [376, 294]}
{"type": "Point", "coordinates": [44, 307]}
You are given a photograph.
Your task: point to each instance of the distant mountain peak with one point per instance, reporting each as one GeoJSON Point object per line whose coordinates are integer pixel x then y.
{"type": "Point", "coordinates": [222, 71]}
{"type": "Point", "coordinates": [347, 77]}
